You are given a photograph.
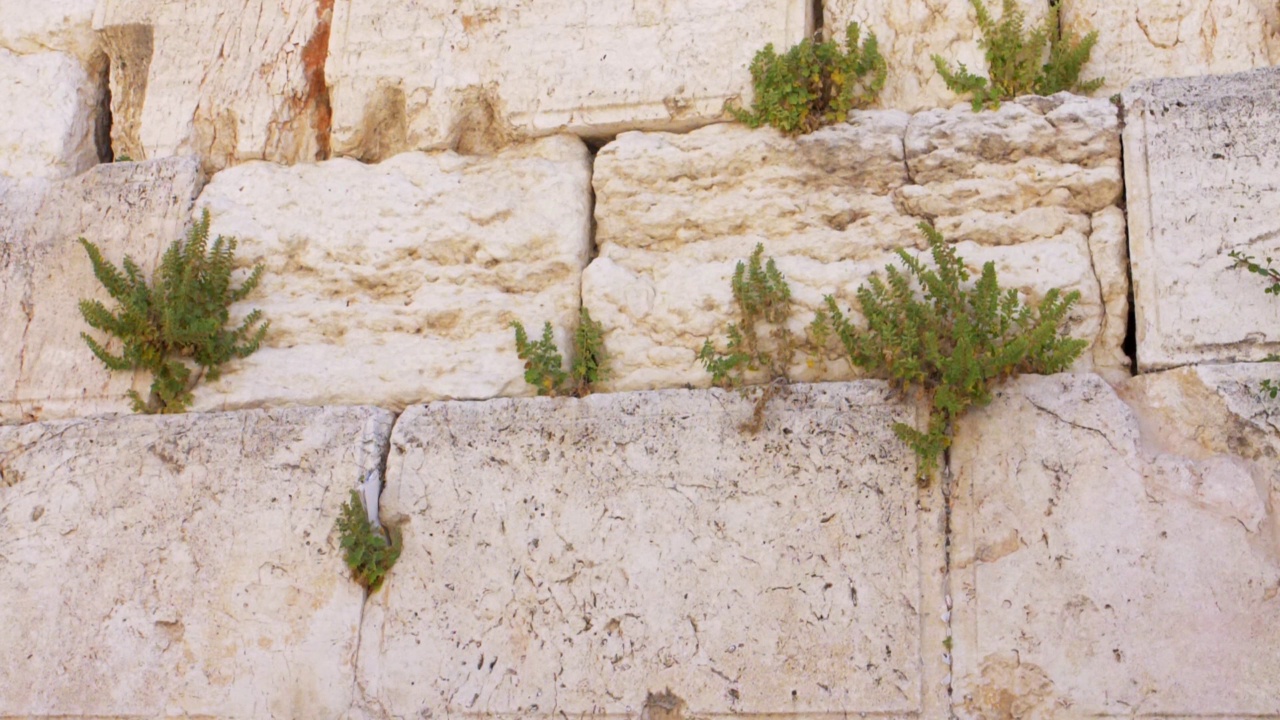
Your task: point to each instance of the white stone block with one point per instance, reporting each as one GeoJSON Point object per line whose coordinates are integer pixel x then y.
{"type": "Point", "coordinates": [47, 110]}
{"type": "Point", "coordinates": [57, 25]}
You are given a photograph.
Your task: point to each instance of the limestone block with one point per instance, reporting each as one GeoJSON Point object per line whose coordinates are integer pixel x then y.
{"type": "Point", "coordinates": [584, 556]}
{"type": "Point", "coordinates": [180, 565]}
{"type": "Point", "coordinates": [397, 283]}
{"type": "Point", "coordinates": [910, 32]}
{"type": "Point", "coordinates": [47, 112]}
{"type": "Point", "coordinates": [1117, 560]}
{"type": "Point", "coordinates": [1033, 187]}
{"type": "Point", "coordinates": [1144, 39]}
{"type": "Point", "coordinates": [134, 209]}
{"type": "Point", "coordinates": [1202, 170]}
{"type": "Point", "coordinates": [473, 75]}
{"type": "Point", "coordinates": [59, 25]}
{"type": "Point", "coordinates": [229, 80]}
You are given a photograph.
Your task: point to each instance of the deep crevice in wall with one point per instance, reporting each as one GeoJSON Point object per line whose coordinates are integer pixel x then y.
{"type": "Point", "coordinates": [1129, 346]}
{"type": "Point", "coordinates": [102, 116]}
{"type": "Point", "coordinates": [816, 17]}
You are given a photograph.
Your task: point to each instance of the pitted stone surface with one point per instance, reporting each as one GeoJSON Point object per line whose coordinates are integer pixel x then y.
{"type": "Point", "coordinates": [1034, 187]}
{"type": "Point", "coordinates": [179, 565]}
{"type": "Point", "coordinates": [473, 75]}
{"type": "Point", "coordinates": [572, 556]}
{"type": "Point", "coordinates": [397, 283]}
{"type": "Point", "coordinates": [47, 112]}
{"type": "Point", "coordinates": [1202, 172]}
{"type": "Point", "coordinates": [134, 209]}
{"type": "Point", "coordinates": [1112, 560]}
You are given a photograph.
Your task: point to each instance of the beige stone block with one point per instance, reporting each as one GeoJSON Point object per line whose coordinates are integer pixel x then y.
{"type": "Point", "coordinates": [48, 104]}
{"type": "Point", "coordinates": [578, 557]}
{"type": "Point", "coordinates": [472, 75]}
{"type": "Point", "coordinates": [180, 566]}
{"type": "Point", "coordinates": [396, 283]}
{"type": "Point", "coordinates": [1113, 558]}
{"type": "Point", "coordinates": [1201, 169]}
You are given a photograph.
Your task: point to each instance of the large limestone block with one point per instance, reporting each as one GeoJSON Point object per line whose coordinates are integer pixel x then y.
{"type": "Point", "coordinates": [910, 32]}
{"type": "Point", "coordinates": [134, 209]}
{"type": "Point", "coordinates": [48, 107]}
{"type": "Point", "coordinates": [61, 25]}
{"type": "Point", "coordinates": [181, 566]}
{"type": "Point", "coordinates": [397, 283]}
{"type": "Point", "coordinates": [570, 557]}
{"type": "Point", "coordinates": [1117, 560]}
{"type": "Point", "coordinates": [1033, 187]}
{"type": "Point", "coordinates": [474, 74]}
{"type": "Point", "coordinates": [229, 80]}
{"type": "Point", "coordinates": [1202, 169]}
{"type": "Point", "coordinates": [1144, 39]}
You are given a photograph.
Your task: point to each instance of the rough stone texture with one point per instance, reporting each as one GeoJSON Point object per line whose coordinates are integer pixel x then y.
{"type": "Point", "coordinates": [1110, 560]}
{"type": "Point", "coordinates": [180, 566]}
{"type": "Point", "coordinates": [397, 283]}
{"type": "Point", "coordinates": [910, 32]}
{"type": "Point", "coordinates": [229, 80]}
{"type": "Point", "coordinates": [574, 556]}
{"type": "Point", "coordinates": [1202, 172]}
{"type": "Point", "coordinates": [1144, 39]}
{"type": "Point", "coordinates": [472, 75]}
{"type": "Point", "coordinates": [60, 25]}
{"type": "Point", "coordinates": [1033, 187]}
{"type": "Point", "coordinates": [47, 114]}
{"type": "Point", "coordinates": [135, 209]}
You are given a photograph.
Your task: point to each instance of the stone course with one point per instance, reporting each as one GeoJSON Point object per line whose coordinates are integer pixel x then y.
{"type": "Point", "coordinates": [47, 113]}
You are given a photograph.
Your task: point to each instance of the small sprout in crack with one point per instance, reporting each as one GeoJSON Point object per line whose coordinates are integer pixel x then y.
{"type": "Point", "coordinates": [369, 551]}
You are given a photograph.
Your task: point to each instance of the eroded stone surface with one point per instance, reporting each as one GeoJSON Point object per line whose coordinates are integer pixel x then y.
{"type": "Point", "coordinates": [1202, 172]}
{"type": "Point", "coordinates": [60, 25]}
{"type": "Point", "coordinates": [1111, 560]}
{"type": "Point", "coordinates": [47, 112]}
{"type": "Point", "coordinates": [134, 209]}
{"type": "Point", "coordinates": [573, 556]}
{"type": "Point", "coordinates": [180, 565]}
{"type": "Point", "coordinates": [397, 283]}
{"type": "Point", "coordinates": [472, 75]}
{"type": "Point", "coordinates": [1033, 187]}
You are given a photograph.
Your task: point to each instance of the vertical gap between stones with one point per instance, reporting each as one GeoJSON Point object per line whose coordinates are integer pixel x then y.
{"type": "Point", "coordinates": [102, 118]}
{"type": "Point", "coordinates": [316, 101]}
{"type": "Point", "coordinates": [816, 26]}
{"type": "Point", "coordinates": [1130, 343]}
{"type": "Point", "coordinates": [946, 481]}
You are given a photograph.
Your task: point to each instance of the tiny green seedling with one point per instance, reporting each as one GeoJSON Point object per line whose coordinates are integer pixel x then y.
{"type": "Point", "coordinates": [369, 551]}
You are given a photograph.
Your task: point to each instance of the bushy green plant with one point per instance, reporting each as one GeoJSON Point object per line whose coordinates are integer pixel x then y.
{"type": "Point", "coordinates": [949, 341]}
{"type": "Point", "coordinates": [1016, 60]}
{"type": "Point", "coordinates": [544, 365]}
{"type": "Point", "coordinates": [814, 83]}
{"type": "Point", "coordinates": [369, 552]}
{"type": "Point", "coordinates": [1272, 389]}
{"type": "Point", "coordinates": [183, 316]}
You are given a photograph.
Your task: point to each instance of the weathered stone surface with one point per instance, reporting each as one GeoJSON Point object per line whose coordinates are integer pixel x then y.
{"type": "Point", "coordinates": [59, 25]}
{"type": "Point", "coordinates": [1144, 39]}
{"type": "Point", "coordinates": [574, 556]}
{"type": "Point", "coordinates": [397, 283]}
{"type": "Point", "coordinates": [134, 209]}
{"type": "Point", "coordinates": [229, 80]}
{"type": "Point", "coordinates": [1033, 187]}
{"type": "Point", "coordinates": [910, 32]}
{"type": "Point", "coordinates": [472, 75]}
{"type": "Point", "coordinates": [1202, 170]}
{"type": "Point", "coordinates": [47, 112]}
{"type": "Point", "coordinates": [1110, 560]}
{"type": "Point", "coordinates": [181, 565]}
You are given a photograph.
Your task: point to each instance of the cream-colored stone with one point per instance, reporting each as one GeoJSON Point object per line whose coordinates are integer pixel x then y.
{"type": "Point", "coordinates": [574, 556]}
{"type": "Point", "coordinates": [47, 111]}
{"type": "Point", "coordinates": [1112, 560]}
{"type": "Point", "coordinates": [1201, 168]}
{"type": "Point", "coordinates": [472, 75]}
{"type": "Point", "coordinates": [134, 209]}
{"type": "Point", "coordinates": [58, 25]}
{"type": "Point", "coordinates": [229, 80]}
{"type": "Point", "coordinates": [1145, 39]}
{"type": "Point", "coordinates": [910, 32]}
{"type": "Point", "coordinates": [1033, 187]}
{"type": "Point", "coordinates": [397, 283]}
{"type": "Point", "coordinates": [180, 566]}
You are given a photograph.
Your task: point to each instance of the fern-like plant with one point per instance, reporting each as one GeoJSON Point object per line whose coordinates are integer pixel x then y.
{"type": "Point", "coordinates": [1271, 388]}
{"type": "Point", "coordinates": [1016, 60]}
{"type": "Point", "coordinates": [814, 83]}
{"type": "Point", "coordinates": [369, 552]}
{"type": "Point", "coordinates": [182, 316]}
{"type": "Point", "coordinates": [544, 365]}
{"type": "Point", "coordinates": [949, 341]}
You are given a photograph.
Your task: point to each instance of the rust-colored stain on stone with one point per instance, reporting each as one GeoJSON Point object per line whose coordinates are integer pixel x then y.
{"type": "Point", "coordinates": [316, 100]}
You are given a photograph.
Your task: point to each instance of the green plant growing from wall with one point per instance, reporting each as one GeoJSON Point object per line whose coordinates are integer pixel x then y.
{"type": "Point", "coordinates": [1272, 389]}
{"type": "Point", "coordinates": [369, 551]}
{"type": "Point", "coordinates": [544, 365]}
{"type": "Point", "coordinates": [949, 342]}
{"type": "Point", "coordinates": [814, 83]}
{"type": "Point", "coordinates": [182, 316]}
{"type": "Point", "coordinates": [1016, 60]}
